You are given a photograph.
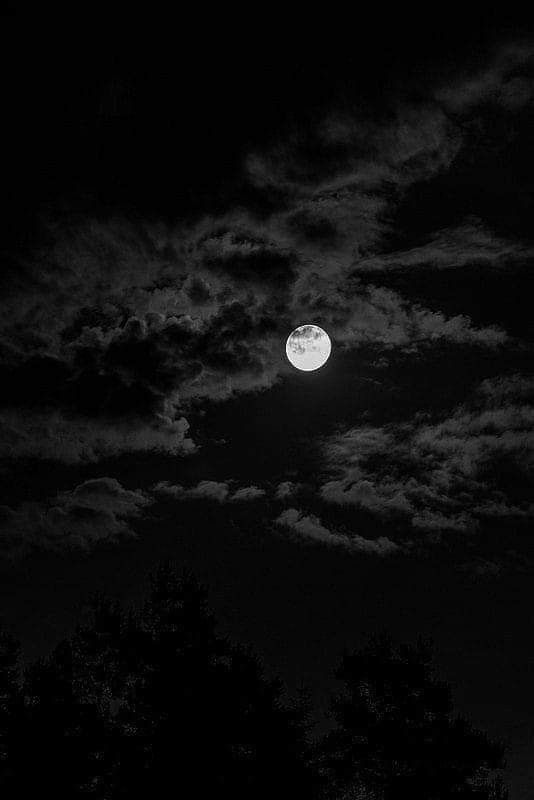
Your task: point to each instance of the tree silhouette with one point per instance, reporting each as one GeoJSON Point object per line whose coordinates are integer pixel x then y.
{"type": "Point", "coordinates": [63, 732]}
{"type": "Point", "coordinates": [212, 720]}
{"type": "Point", "coordinates": [154, 703]}
{"type": "Point", "coordinates": [396, 735]}
{"type": "Point", "coordinates": [11, 706]}
{"type": "Point", "coordinates": [150, 704]}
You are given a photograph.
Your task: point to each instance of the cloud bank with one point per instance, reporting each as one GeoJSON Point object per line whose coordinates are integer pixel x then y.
{"type": "Point", "coordinates": [95, 512]}
{"type": "Point", "coordinates": [447, 474]}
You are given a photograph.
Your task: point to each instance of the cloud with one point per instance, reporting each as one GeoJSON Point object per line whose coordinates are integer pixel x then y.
{"type": "Point", "coordinates": [339, 181]}
{"type": "Point", "coordinates": [111, 320]}
{"type": "Point", "coordinates": [381, 316]}
{"type": "Point", "coordinates": [507, 387]}
{"type": "Point", "coordinates": [471, 244]}
{"type": "Point", "coordinates": [246, 255]}
{"type": "Point", "coordinates": [310, 527]}
{"type": "Point", "coordinates": [106, 335]}
{"type": "Point", "coordinates": [74, 439]}
{"type": "Point", "coordinates": [219, 491]}
{"type": "Point", "coordinates": [210, 490]}
{"type": "Point", "coordinates": [285, 489]}
{"type": "Point", "coordinates": [443, 475]}
{"type": "Point", "coordinates": [95, 512]}
{"type": "Point", "coordinates": [506, 81]}
{"type": "Point", "coordinates": [117, 357]}
{"type": "Point", "coordinates": [247, 493]}
{"type": "Point", "coordinates": [487, 568]}
{"type": "Point", "coordinates": [348, 156]}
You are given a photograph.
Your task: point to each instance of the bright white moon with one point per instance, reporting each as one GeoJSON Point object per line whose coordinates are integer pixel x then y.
{"type": "Point", "coordinates": [308, 347]}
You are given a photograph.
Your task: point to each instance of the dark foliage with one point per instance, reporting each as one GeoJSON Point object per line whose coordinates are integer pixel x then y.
{"type": "Point", "coordinates": [396, 735]}
{"type": "Point", "coordinates": [156, 704]}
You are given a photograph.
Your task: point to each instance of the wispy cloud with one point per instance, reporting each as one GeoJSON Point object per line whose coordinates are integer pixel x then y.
{"type": "Point", "coordinates": [471, 244]}
{"type": "Point", "coordinates": [442, 475]}
{"type": "Point", "coordinates": [504, 80]}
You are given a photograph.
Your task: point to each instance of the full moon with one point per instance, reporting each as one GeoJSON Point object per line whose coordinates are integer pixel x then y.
{"type": "Point", "coordinates": [308, 347]}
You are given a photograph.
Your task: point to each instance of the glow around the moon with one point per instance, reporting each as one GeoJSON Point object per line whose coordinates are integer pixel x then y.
{"type": "Point", "coordinates": [308, 347]}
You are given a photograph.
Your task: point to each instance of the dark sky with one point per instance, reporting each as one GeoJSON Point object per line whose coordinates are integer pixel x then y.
{"type": "Point", "coordinates": [177, 202]}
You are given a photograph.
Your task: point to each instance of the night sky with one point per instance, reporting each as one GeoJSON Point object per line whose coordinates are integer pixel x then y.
{"type": "Point", "coordinates": [177, 201]}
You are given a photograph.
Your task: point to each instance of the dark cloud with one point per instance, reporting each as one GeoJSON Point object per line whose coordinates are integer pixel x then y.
{"type": "Point", "coordinates": [247, 257]}
{"type": "Point", "coordinates": [114, 329]}
{"type": "Point", "coordinates": [506, 81]}
{"type": "Point", "coordinates": [53, 435]}
{"type": "Point", "coordinates": [160, 342]}
{"type": "Point", "coordinates": [95, 512]}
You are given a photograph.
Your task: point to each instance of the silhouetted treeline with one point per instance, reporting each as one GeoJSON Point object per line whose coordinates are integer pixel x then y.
{"type": "Point", "coordinates": [155, 704]}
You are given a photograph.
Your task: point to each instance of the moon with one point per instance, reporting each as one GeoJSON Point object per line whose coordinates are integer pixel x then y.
{"type": "Point", "coordinates": [308, 347]}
